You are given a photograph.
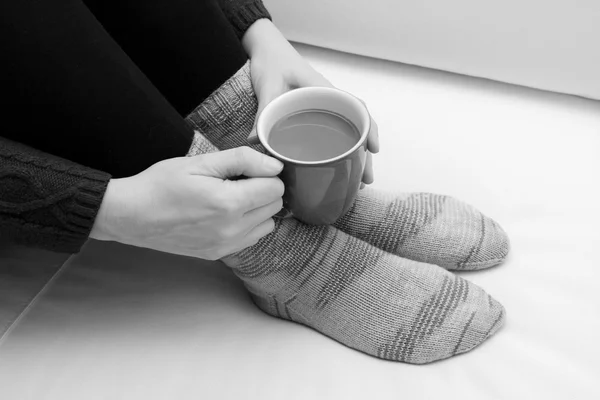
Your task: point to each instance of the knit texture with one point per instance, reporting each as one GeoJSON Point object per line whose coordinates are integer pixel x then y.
{"type": "Point", "coordinates": [427, 227]}
{"type": "Point", "coordinates": [243, 13]}
{"type": "Point", "coordinates": [45, 201]}
{"type": "Point", "coordinates": [226, 117]}
{"type": "Point", "coordinates": [365, 298]}
{"type": "Point", "coordinates": [423, 227]}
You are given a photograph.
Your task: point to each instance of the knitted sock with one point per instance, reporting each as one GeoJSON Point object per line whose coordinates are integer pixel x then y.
{"type": "Point", "coordinates": [370, 300]}
{"type": "Point", "coordinates": [424, 227]}
{"type": "Point", "coordinates": [367, 299]}
{"type": "Point", "coordinates": [427, 227]}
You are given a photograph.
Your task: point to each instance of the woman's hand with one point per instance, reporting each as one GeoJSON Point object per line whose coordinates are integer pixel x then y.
{"type": "Point", "coordinates": [276, 67]}
{"type": "Point", "coordinates": [189, 206]}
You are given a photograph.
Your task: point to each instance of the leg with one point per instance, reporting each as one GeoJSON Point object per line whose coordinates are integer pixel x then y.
{"type": "Point", "coordinates": [186, 48]}
{"type": "Point", "coordinates": [370, 300]}
{"type": "Point", "coordinates": [71, 91]}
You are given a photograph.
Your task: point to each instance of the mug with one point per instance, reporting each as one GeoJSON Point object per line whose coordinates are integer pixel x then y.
{"type": "Point", "coordinates": [318, 192]}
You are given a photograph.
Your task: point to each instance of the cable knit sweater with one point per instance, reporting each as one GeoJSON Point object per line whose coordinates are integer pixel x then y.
{"type": "Point", "coordinates": [46, 201]}
{"type": "Point", "coordinates": [243, 13]}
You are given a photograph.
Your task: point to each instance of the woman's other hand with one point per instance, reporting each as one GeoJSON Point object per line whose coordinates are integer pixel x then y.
{"type": "Point", "coordinates": [276, 67]}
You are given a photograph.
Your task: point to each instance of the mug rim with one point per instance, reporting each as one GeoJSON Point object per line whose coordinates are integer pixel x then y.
{"type": "Point", "coordinates": [364, 135]}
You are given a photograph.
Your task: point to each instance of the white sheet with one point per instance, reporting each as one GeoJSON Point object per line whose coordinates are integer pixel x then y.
{"type": "Point", "coordinates": [124, 323]}
{"type": "Point", "coordinates": [547, 44]}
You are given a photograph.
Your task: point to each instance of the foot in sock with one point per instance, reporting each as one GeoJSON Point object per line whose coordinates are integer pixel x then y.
{"type": "Point", "coordinates": [427, 227]}
{"type": "Point", "coordinates": [367, 299]}
{"type": "Point", "coordinates": [424, 227]}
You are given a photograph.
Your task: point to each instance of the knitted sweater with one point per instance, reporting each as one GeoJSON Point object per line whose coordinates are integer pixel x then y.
{"type": "Point", "coordinates": [243, 13]}
{"type": "Point", "coordinates": [50, 202]}
{"type": "Point", "coordinates": [46, 201]}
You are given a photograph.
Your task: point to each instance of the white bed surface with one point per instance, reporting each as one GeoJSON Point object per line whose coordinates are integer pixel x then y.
{"type": "Point", "coordinates": [126, 323]}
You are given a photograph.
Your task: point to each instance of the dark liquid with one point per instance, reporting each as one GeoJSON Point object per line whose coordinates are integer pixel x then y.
{"type": "Point", "coordinates": [313, 135]}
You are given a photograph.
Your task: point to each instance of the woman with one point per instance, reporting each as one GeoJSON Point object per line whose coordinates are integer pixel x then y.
{"type": "Point", "coordinates": [129, 89]}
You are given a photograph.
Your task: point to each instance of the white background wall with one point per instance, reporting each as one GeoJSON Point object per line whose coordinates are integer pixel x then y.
{"type": "Point", "coordinates": [546, 44]}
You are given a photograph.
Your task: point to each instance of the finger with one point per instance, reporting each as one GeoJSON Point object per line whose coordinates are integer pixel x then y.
{"type": "Point", "coordinates": [257, 192]}
{"type": "Point", "coordinates": [373, 139]}
{"type": "Point", "coordinates": [260, 231]}
{"type": "Point", "coordinates": [368, 174]}
{"type": "Point", "coordinates": [236, 162]}
{"type": "Point", "coordinates": [253, 236]}
{"type": "Point", "coordinates": [316, 79]}
{"type": "Point", "coordinates": [265, 94]}
{"type": "Point", "coordinates": [312, 78]}
{"type": "Point", "coordinates": [268, 92]}
{"type": "Point", "coordinates": [259, 215]}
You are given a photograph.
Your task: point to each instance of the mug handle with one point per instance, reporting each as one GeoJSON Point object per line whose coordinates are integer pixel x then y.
{"type": "Point", "coordinates": [253, 137]}
{"type": "Point", "coordinates": [284, 213]}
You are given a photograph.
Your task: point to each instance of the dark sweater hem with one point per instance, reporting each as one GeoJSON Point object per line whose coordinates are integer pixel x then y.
{"type": "Point", "coordinates": [246, 15]}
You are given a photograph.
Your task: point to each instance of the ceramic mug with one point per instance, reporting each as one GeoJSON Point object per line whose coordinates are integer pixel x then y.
{"type": "Point", "coordinates": [318, 192]}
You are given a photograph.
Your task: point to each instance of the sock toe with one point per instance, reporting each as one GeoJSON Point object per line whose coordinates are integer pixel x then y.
{"type": "Point", "coordinates": [476, 317]}
{"type": "Point", "coordinates": [456, 237]}
{"type": "Point", "coordinates": [484, 322]}
{"type": "Point", "coordinates": [428, 228]}
{"type": "Point", "coordinates": [490, 246]}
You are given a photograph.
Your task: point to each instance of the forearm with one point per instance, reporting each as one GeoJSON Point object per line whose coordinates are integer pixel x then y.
{"type": "Point", "coordinates": [46, 201]}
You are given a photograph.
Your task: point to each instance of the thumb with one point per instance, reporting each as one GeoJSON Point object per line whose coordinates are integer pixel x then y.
{"type": "Point", "coordinates": [313, 78]}
{"type": "Point", "coordinates": [241, 161]}
{"type": "Point", "coordinates": [267, 92]}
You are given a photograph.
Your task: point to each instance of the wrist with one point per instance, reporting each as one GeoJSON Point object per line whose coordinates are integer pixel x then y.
{"type": "Point", "coordinates": [261, 34]}
{"type": "Point", "coordinates": [105, 227]}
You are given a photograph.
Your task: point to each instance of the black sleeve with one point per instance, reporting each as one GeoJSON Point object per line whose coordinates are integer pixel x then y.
{"type": "Point", "coordinates": [45, 201]}
{"type": "Point", "coordinates": [243, 13]}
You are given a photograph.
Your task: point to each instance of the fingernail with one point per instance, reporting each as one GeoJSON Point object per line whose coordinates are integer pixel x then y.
{"type": "Point", "coordinates": [274, 164]}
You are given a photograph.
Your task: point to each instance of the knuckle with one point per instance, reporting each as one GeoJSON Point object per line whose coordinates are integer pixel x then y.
{"type": "Point", "coordinates": [242, 153]}
{"type": "Point", "coordinates": [244, 156]}
{"type": "Point", "coordinates": [227, 204]}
